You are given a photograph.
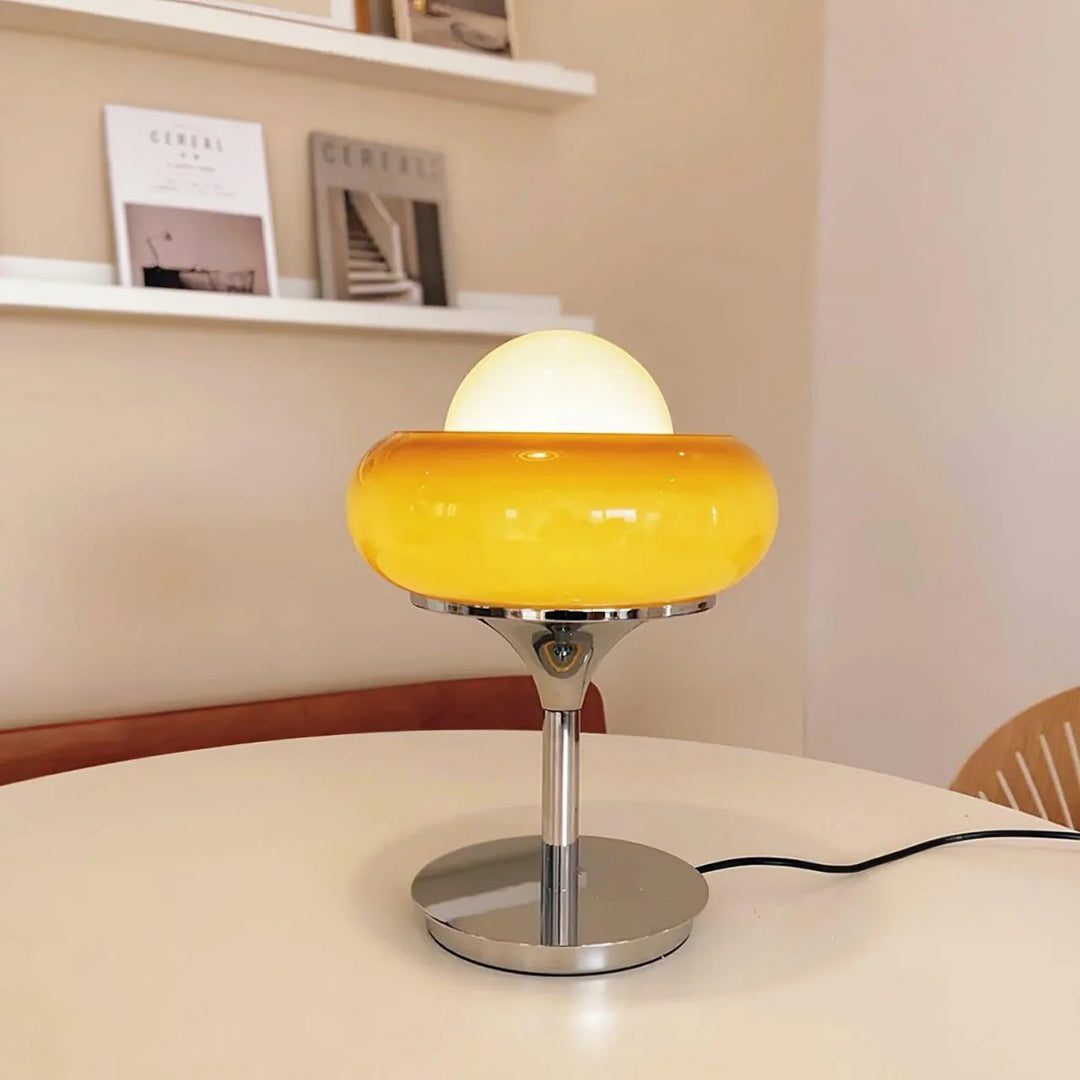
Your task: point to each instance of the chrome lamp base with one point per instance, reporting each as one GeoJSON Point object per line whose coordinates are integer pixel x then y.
{"type": "Point", "coordinates": [560, 903]}
{"type": "Point", "coordinates": [634, 904]}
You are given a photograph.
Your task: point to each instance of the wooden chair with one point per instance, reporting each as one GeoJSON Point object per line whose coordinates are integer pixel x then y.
{"type": "Point", "coordinates": [1031, 763]}
{"type": "Point", "coordinates": [508, 702]}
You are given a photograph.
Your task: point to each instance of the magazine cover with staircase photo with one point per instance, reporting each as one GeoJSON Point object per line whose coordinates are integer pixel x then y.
{"type": "Point", "coordinates": [380, 214]}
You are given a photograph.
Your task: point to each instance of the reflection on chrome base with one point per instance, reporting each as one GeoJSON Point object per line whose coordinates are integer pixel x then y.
{"type": "Point", "coordinates": [632, 904]}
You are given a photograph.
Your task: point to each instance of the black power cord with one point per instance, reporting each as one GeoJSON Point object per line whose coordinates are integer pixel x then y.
{"type": "Point", "coordinates": [891, 856]}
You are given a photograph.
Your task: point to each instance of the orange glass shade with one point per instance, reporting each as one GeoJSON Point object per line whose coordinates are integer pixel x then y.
{"type": "Point", "coordinates": [561, 520]}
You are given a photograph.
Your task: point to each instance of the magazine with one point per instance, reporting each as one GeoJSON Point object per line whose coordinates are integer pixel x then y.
{"type": "Point", "coordinates": [380, 222]}
{"type": "Point", "coordinates": [191, 203]}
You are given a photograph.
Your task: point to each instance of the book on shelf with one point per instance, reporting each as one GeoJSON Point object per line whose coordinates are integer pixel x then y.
{"type": "Point", "coordinates": [190, 201]}
{"type": "Point", "coordinates": [380, 222]}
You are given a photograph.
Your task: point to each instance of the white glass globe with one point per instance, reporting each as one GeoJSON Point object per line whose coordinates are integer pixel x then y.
{"type": "Point", "coordinates": [559, 380]}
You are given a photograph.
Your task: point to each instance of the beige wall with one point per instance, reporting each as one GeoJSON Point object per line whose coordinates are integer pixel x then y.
{"type": "Point", "coordinates": [945, 574]}
{"type": "Point", "coordinates": [172, 526]}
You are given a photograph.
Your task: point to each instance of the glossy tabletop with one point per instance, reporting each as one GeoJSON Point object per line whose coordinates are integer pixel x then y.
{"type": "Point", "coordinates": [244, 913]}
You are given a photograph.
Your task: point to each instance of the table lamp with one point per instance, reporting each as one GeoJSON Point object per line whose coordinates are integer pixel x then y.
{"type": "Point", "coordinates": [558, 507]}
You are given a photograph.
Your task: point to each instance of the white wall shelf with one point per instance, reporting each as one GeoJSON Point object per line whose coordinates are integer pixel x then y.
{"type": "Point", "coordinates": [500, 319]}
{"type": "Point", "coordinates": [219, 34]}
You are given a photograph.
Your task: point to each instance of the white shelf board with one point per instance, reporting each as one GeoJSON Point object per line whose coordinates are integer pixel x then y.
{"type": "Point", "coordinates": [219, 34]}
{"type": "Point", "coordinates": [74, 297]}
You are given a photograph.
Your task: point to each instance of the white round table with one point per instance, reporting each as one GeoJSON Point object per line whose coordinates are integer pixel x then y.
{"type": "Point", "coordinates": [244, 914]}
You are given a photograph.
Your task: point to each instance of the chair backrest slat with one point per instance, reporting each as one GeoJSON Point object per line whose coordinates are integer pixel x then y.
{"type": "Point", "coordinates": [1010, 797]}
{"type": "Point", "coordinates": [1033, 791]}
{"type": "Point", "coordinates": [1055, 778]}
{"type": "Point", "coordinates": [1071, 741]}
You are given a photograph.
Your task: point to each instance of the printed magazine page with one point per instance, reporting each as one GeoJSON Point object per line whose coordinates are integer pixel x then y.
{"type": "Point", "coordinates": [191, 203]}
{"type": "Point", "coordinates": [380, 221]}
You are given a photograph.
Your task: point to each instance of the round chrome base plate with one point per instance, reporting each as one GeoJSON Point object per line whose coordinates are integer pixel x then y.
{"type": "Point", "coordinates": [635, 904]}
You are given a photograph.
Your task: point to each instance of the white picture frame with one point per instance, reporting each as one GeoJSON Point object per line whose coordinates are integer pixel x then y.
{"type": "Point", "coordinates": [341, 14]}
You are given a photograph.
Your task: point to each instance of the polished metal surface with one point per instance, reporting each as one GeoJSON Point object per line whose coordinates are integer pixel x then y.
{"type": "Point", "coordinates": [559, 827]}
{"type": "Point", "coordinates": [557, 903]}
{"type": "Point", "coordinates": [559, 893]}
{"type": "Point", "coordinates": [562, 658]}
{"type": "Point", "coordinates": [562, 649]}
{"type": "Point", "coordinates": [635, 904]}
{"type": "Point", "coordinates": [482, 611]}
{"type": "Point", "coordinates": [562, 738]}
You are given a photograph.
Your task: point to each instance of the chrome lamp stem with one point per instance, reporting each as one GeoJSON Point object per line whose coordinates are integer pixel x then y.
{"type": "Point", "coordinates": [561, 656]}
{"type": "Point", "coordinates": [559, 872]}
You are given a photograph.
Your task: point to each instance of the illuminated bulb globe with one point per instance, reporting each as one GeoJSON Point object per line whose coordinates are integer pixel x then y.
{"type": "Point", "coordinates": [559, 485]}
{"type": "Point", "coordinates": [559, 380]}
